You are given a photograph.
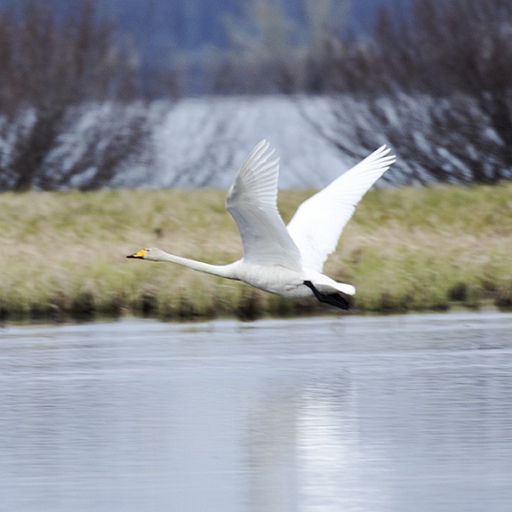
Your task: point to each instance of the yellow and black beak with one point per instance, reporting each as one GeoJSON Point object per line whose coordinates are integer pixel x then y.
{"type": "Point", "coordinates": [139, 254]}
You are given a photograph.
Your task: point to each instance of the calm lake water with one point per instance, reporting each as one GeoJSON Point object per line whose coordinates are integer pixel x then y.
{"type": "Point", "coordinates": [404, 413]}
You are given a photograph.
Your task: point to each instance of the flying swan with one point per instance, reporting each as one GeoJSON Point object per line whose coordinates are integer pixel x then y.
{"type": "Point", "coordinates": [287, 260]}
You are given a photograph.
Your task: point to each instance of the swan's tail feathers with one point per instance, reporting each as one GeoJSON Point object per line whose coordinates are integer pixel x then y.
{"type": "Point", "coordinates": [346, 288]}
{"type": "Point", "coordinates": [334, 299]}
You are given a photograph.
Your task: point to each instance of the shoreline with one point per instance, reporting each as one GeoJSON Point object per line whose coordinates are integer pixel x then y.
{"type": "Point", "coordinates": [405, 250]}
{"type": "Point", "coordinates": [201, 322]}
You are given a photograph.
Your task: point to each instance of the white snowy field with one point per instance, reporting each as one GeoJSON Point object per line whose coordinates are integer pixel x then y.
{"type": "Point", "coordinates": [202, 142]}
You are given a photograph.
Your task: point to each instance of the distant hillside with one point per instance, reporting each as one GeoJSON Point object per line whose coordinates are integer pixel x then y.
{"type": "Point", "coordinates": [158, 25]}
{"type": "Point", "coordinates": [197, 23]}
{"type": "Point", "coordinates": [195, 47]}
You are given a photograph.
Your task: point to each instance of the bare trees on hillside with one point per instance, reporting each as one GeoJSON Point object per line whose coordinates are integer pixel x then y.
{"type": "Point", "coordinates": [438, 86]}
{"type": "Point", "coordinates": [435, 84]}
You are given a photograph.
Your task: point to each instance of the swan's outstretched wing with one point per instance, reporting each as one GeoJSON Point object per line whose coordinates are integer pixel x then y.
{"type": "Point", "coordinates": [317, 225]}
{"type": "Point", "coordinates": [252, 201]}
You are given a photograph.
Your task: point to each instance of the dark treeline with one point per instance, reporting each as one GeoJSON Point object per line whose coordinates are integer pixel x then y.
{"type": "Point", "coordinates": [434, 82]}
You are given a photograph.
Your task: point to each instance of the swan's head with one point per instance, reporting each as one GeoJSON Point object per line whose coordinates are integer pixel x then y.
{"type": "Point", "coordinates": [147, 254]}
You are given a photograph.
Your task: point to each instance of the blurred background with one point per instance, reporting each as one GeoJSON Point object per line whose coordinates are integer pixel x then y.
{"type": "Point", "coordinates": [328, 413]}
{"type": "Point", "coordinates": [162, 93]}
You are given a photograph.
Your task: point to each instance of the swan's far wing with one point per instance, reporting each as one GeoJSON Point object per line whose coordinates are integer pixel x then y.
{"type": "Point", "coordinates": [317, 224]}
{"type": "Point", "coordinates": [252, 202]}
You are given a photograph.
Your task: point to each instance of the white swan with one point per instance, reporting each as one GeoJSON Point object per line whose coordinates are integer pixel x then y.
{"type": "Point", "coordinates": [284, 260]}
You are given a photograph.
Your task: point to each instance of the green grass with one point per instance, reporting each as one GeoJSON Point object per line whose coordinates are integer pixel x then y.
{"type": "Point", "coordinates": [63, 254]}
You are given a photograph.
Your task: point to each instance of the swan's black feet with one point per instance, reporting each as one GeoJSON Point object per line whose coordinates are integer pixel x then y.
{"type": "Point", "coordinates": [334, 299]}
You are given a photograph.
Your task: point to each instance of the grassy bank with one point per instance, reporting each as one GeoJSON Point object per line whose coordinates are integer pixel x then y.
{"type": "Point", "coordinates": [63, 254]}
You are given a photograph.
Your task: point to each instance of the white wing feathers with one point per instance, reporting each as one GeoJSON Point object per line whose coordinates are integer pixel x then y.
{"type": "Point", "coordinates": [252, 202]}
{"type": "Point", "coordinates": [317, 225]}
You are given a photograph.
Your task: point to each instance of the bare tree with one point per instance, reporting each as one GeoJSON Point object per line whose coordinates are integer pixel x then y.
{"type": "Point", "coordinates": [51, 68]}
{"type": "Point", "coordinates": [437, 85]}
{"type": "Point", "coordinates": [100, 145]}
{"type": "Point", "coordinates": [50, 59]}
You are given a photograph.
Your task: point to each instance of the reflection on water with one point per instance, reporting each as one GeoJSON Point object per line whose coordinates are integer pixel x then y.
{"type": "Point", "coordinates": [333, 414]}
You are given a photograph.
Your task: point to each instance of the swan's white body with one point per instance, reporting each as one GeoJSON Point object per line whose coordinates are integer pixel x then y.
{"type": "Point", "coordinates": [287, 260]}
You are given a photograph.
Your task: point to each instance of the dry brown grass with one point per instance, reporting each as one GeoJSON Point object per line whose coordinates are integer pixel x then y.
{"type": "Point", "coordinates": [63, 254]}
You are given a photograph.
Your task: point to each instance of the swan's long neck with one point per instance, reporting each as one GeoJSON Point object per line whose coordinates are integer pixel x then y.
{"type": "Point", "coordinates": [227, 271]}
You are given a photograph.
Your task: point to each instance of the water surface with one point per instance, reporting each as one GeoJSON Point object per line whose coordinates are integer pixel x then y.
{"type": "Point", "coordinates": [329, 414]}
